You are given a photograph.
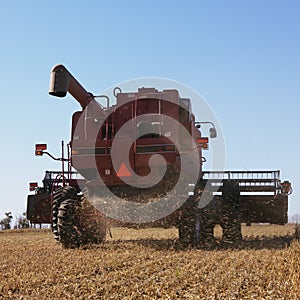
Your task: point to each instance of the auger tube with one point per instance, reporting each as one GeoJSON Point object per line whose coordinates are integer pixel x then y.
{"type": "Point", "coordinates": [62, 81]}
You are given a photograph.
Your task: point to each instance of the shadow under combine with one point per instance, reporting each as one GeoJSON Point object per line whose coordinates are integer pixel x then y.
{"type": "Point", "coordinates": [254, 243]}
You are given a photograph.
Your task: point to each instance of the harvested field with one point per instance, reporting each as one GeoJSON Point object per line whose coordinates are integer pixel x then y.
{"type": "Point", "coordinates": [148, 264]}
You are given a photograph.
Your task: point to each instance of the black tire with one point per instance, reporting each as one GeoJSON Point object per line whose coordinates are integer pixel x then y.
{"type": "Point", "coordinates": [231, 231]}
{"type": "Point", "coordinates": [187, 230]}
{"type": "Point", "coordinates": [207, 218]}
{"type": "Point", "coordinates": [67, 223]}
{"type": "Point", "coordinates": [230, 219]}
{"type": "Point", "coordinates": [206, 228]}
{"type": "Point", "coordinates": [78, 224]}
{"type": "Point", "coordinates": [61, 194]}
{"type": "Point", "coordinates": [187, 223]}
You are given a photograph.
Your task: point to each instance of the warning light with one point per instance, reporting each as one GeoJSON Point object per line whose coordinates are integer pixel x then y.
{"type": "Point", "coordinates": [123, 171]}
{"type": "Point", "coordinates": [33, 186]}
{"type": "Point", "coordinates": [40, 147]}
{"type": "Point", "coordinates": [39, 152]}
{"type": "Point", "coordinates": [169, 148]}
{"type": "Point", "coordinates": [203, 142]}
{"type": "Point", "coordinates": [286, 187]}
{"type": "Point", "coordinates": [75, 152]}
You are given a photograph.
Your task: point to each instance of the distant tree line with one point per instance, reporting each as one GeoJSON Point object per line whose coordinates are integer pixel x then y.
{"type": "Point", "coordinates": [6, 221]}
{"type": "Point", "coordinates": [295, 218]}
{"type": "Point", "coordinates": [20, 223]}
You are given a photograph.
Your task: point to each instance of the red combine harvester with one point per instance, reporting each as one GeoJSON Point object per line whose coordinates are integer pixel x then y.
{"type": "Point", "coordinates": [120, 179]}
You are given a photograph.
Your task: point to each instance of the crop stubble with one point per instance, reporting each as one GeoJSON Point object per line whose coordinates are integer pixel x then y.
{"type": "Point", "coordinates": [146, 264]}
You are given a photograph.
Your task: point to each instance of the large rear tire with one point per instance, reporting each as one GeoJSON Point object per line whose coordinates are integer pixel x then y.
{"type": "Point", "coordinates": [79, 224]}
{"type": "Point", "coordinates": [61, 194]}
{"type": "Point", "coordinates": [67, 223]}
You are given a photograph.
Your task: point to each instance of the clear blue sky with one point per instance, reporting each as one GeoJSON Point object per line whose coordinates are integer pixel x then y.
{"type": "Point", "coordinates": [242, 56]}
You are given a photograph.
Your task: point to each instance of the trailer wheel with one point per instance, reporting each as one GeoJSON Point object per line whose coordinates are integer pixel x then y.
{"type": "Point", "coordinates": [230, 219]}
{"type": "Point", "coordinates": [231, 230]}
{"type": "Point", "coordinates": [187, 223]}
{"type": "Point", "coordinates": [186, 230]}
{"type": "Point", "coordinates": [61, 194]}
{"type": "Point", "coordinates": [67, 223]}
{"type": "Point", "coordinates": [207, 216]}
{"type": "Point", "coordinates": [206, 228]}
